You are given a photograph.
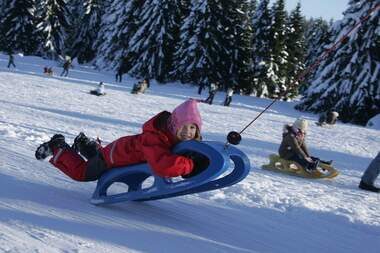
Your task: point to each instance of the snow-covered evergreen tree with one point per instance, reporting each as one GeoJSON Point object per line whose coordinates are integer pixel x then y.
{"type": "Point", "coordinates": [252, 5]}
{"type": "Point", "coordinates": [119, 23]}
{"type": "Point", "coordinates": [261, 50]}
{"type": "Point", "coordinates": [203, 52]}
{"type": "Point", "coordinates": [154, 43]}
{"type": "Point", "coordinates": [278, 49]}
{"type": "Point", "coordinates": [348, 81]}
{"type": "Point", "coordinates": [317, 37]}
{"type": "Point", "coordinates": [54, 27]}
{"type": "Point", "coordinates": [238, 45]}
{"type": "Point", "coordinates": [189, 49]}
{"type": "Point", "coordinates": [87, 30]}
{"type": "Point", "coordinates": [106, 40]}
{"type": "Point", "coordinates": [2, 36]}
{"type": "Point", "coordinates": [295, 46]}
{"type": "Point", "coordinates": [18, 26]}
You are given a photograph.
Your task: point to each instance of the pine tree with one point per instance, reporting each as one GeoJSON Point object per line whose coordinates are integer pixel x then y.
{"type": "Point", "coordinates": [248, 82]}
{"type": "Point", "coordinates": [2, 35]}
{"type": "Point", "coordinates": [185, 56]}
{"type": "Point", "coordinates": [278, 49]}
{"type": "Point", "coordinates": [237, 44]}
{"type": "Point", "coordinates": [317, 38]}
{"type": "Point", "coordinates": [155, 41]}
{"type": "Point", "coordinates": [348, 81]}
{"type": "Point", "coordinates": [18, 26]}
{"type": "Point", "coordinates": [76, 10]}
{"type": "Point", "coordinates": [88, 27]}
{"type": "Point", "coordinates": [251, 5]}
{"type": "Point", "coordinates": [261, 50]}
{"type": "Point", "coordinates": [295, 46]}
{"type": "Point", "coordinates": [108, 41]}
{"type": "Point", "coordinates": [202, 54]}
{"type": "Point", "coordinates": [54, 27]}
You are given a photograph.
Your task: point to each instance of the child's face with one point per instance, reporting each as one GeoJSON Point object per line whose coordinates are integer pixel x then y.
{"type": "Point", "coordinates": [301, 134]}
{"type": "Point", "coordinates": [187, 132]}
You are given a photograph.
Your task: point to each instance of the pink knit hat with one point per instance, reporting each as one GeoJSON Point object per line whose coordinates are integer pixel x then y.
{"type": "Point", "coordinates": [185, 113]}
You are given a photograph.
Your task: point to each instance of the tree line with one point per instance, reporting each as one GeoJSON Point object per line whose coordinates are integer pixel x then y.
{"type": "Point", "coordinates": [252, 46]}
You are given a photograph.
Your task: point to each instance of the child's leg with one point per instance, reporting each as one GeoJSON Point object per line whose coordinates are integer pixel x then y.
{"type": "Point", "coordinates": [70, 163]}
{"type": "Point", "coordinates": [96, 166]}
{"type": "Point", "coordinates": [300, 161]}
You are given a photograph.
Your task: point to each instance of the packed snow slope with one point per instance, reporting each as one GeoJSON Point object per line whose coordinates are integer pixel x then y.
{"type": "Point", "coordinates": [41, 210]}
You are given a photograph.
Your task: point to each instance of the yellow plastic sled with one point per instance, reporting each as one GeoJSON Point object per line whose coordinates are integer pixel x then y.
{"type": "Point", "coordinates": [278, 164]}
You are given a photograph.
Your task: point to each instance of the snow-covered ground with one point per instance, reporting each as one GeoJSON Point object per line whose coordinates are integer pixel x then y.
{"type": "Point", "coordinates": [41, 210]}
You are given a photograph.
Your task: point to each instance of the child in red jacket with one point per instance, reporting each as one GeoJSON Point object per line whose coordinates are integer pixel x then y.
{"type": "Point", "coordinates": [153, 145]}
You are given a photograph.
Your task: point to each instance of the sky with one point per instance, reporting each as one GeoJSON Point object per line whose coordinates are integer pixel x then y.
{"type": "Point", "coordinates": [42, 210]}
{"type": "Point", "coordinates": [327, 9]}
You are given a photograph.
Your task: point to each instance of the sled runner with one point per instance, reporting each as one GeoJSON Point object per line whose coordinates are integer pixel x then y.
{"type": "Point", "coordinates": [217, 175]}
{"type": "Point", "coordinates": [278, 164]}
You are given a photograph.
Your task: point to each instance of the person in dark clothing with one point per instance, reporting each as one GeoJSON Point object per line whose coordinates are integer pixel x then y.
{"type": "Point", "coordinates": [11, 61]}
{"type": "Point", "coordinates": [119, 75]}
{"type": "Point", "coordinates": [229, 94]}
{"type": "Point", "coordinates": [329, 118]}
{"type": "Point", "coordinates": [123, 68]}
{"type": "Point", "coordinates": [371, 173]}
{"type": "Point", "coordinates": [202, 85]}
{"type": "Point", "coordinates": [48, 71]}
{"type": "Point", "coordinates": [147, 81]}
{"type": "Point", "coordinates": [99, 91]}
{"type": "Point", "coordinates": [293, 146]}
{"type": "Point", "coordinates": [66, 67]}
{"type": "Point", "coordinates": [211, 92]}
{"type": "Point", "coordinates": [141, 86]}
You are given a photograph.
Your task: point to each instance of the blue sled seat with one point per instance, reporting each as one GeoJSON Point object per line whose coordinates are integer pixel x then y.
{"type": "Point", "coordinates": [214, 177]}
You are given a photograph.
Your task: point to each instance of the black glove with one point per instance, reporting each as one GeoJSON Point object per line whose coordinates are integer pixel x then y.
{"type": "Point", "coordinates": [200, 162]}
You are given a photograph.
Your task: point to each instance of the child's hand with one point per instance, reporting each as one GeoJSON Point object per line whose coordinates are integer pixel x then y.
{"type": "Point", "coordinates": [200, 161]}
{"type": "Point", "coordinates": [309, 159]}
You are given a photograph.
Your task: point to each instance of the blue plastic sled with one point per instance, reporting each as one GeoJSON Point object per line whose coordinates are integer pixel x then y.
{"type": "Point", "coordinates": [217, 175]}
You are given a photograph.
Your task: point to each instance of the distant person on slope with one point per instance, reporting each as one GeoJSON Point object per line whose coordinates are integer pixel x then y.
{"type": "Point", "coordinates": [48, 71]}
{"type": "Point", "coordinates": [229, 94]}
{"type": "Point", "coordinates": [293, 146]}
{"type": "Point", "coordinates": [119, 74]}
{"type": "Point", "coordinates": [99, 91]}
{"type": "Point", "coordinates": [371, 173]}
{"type": "Point", "coordinates": [211, 92]}
{"type": "Point", "coordinates": [329, 118]}
{"type": "Point", "coordinates": [201, 86]}
{"type": "Point", "coordinates": [11, 61]}
{"type": "Point", "coordinates": [66, 67]}
{"type": "Point", "coordinates": [141, 86]}
{"type": "Point", "coordinates": [153, 146]}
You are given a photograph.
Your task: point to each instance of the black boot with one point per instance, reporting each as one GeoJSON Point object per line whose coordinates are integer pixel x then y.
{"type": "Point", "coordinates": [368, 187]}
{"type": "Point", "coordinates": [85, 146]}
{"type": "Point", "coordinates": [322, 161]}
{"type": "Point", "coordinates": [327, 162]}
{"type": "Point", "coordinates": [46, 148]}
{"type": "Point", "coordinates": [312, 167]}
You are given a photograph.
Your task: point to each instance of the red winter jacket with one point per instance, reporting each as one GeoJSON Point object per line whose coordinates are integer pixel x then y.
{"type": "Point", "coordinates": [153, 146]}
